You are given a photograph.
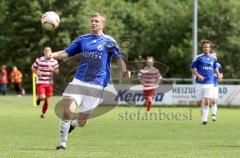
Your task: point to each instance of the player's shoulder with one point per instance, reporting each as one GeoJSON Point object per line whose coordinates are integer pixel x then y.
{"type": "Point", "coordinates": [218, 65]}
{"type": "Point", "coordinates": [40, 59]}
{"type": "Point", "coordinates": [155, 70]}
{"type": "Point", "coordinates": [110, 40]}
{"type": "Point", "coordinates": [198, 56]}
{"type": "Point", "coordinates": [84, 36]}
{"type": "Point", "coordinates": [213, 57]}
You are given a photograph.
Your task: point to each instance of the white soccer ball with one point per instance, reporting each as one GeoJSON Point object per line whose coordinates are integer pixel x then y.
{"type": "Point", "coordinates": [50, 20]}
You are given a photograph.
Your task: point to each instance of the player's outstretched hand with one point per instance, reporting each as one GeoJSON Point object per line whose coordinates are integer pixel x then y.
{"type": "Point", "coordinates": [127, 74]}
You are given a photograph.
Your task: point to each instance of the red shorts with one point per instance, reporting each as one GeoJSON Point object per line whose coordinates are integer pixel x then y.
{"type": "Point", "coordinates": [148, 93]}
{"type": "Point", "coordinates": [46, 89]}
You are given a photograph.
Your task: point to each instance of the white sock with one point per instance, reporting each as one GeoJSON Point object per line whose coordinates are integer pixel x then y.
{"type": "Point", "coordinates": [64, 127]}
{"type": "Point", "coordinates": [204, 113]}
{"type": "Point", "coordinates": [214, 109]}
{"type": "Point", "coordinates": [74, 122]}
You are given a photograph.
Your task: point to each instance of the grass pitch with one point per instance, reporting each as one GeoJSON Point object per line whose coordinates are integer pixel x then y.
{"type": "Point", "coordinates": [122, 133]}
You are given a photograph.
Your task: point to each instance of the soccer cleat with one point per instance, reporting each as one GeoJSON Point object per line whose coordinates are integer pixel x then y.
{"type": "Point", "coordinates": [71, 128]}
{"type": "Point", "coordinates": [60, 147]}
{"type": "Point", "coordinates": [214, 118]}
{"type": "Point", "coordinates": [204, 123]}
{"type": "Point", "coordinates": [38, 102]}
{"type": "Point", "coordinates": [42, 116]}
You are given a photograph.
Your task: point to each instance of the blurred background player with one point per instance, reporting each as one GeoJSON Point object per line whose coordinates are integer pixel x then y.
{"type": "Point", "coordinates": [44, 67]}
{"type": "Point", "coordinates": [93, 74]}
{"type": "Point", "coordinates": [215, 89]}
{"type": "Point", "coordinates": [149, 78]}
{"type": "Point", "coordinates": [3, 80]}
{"type": "Point", "coordinates": [204, 67]}
{"type": "Point", "coordinates": [16, 78]}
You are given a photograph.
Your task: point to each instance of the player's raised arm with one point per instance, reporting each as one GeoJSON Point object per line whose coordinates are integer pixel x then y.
{"type": "Point", "coordinates": [62, 54]}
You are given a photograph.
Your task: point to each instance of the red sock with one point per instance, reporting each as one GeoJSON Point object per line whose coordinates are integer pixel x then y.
{"type": "Point", "coordinates": [149, 105]}
{"type": "Point", "coordinates": [45, 106]}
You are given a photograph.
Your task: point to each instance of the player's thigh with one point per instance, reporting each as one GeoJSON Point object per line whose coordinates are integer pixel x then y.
{"type": "Point", "coordinates": [41, 90]}
{"type": "Point", "coordinates": [89, 104]}
{"type": "Point", "coordinates": [199, 92]}
{"type": "Point", "coordinates": [49, 90]}
{"type": "Point", "coordinates": [69, 107]}
{"type": "Point", "coordinates": [215, 93]}
{"type": "Point", "coordinates": [149, 94]}
{"type": "Point", "coordinates": [208, 91]}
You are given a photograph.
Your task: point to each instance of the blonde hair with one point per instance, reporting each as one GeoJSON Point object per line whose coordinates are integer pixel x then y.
{"type": "Point", "coordinates": [98, 14]}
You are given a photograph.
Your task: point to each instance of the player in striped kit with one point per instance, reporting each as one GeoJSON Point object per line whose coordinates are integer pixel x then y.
{"type": "Point", "coordinates": [149, 78]}
{"type": "Point", "coordinates": [44, 67]}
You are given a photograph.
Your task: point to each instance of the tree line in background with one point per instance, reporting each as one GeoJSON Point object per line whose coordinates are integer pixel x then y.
{"type": "Point", "coordinates": [160, 28]}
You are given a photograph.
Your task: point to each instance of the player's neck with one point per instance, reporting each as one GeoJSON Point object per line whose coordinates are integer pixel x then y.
{"type": "Point", "coordinates": [46, 58]}
{"type": "Point", "coordinates": [206, 53]}
{"type": "Point", "coordinates": [97, 33]}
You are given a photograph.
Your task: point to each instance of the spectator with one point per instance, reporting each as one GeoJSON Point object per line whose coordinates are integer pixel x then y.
{"type": "Point", "coordinates": [16, 78]}
{"type": "Point", "coordinates": [3, 80]}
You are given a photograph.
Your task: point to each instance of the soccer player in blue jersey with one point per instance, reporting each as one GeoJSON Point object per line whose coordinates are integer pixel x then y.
{"type": "Point", "coordinates": [215, 89]}
{"type": "Point", "coordinates": [95, 50]}
{"type": "Point", "coordinates": [204, 67]}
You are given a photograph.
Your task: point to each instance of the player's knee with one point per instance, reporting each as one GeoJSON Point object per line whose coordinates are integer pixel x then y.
{"type": "Point", "coordinates": [66, 114]}
{"type": "Point", "coordinates": [42, 97]}
{"type": "Point", "coordinates": [207, 101]}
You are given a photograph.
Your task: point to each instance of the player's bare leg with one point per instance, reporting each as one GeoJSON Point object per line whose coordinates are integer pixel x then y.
{"type": "Point", "coordinates": [40, 98]}
{"type": "Point", "coordinates": [149, 102]}
{"type": "Point", "coordinates": [205, 109]}
{"type": "Point", "coordinates": [214, 109]}
{"type": "Point", "coordinates": [69, 108]}
{"type": "Point", "coordinates": [44, 107]}
{"type": "Point", "coordinates": [80, 121]}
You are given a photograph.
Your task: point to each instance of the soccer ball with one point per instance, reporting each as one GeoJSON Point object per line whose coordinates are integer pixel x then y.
{"type": "Point", "coordinates": [50, 20]}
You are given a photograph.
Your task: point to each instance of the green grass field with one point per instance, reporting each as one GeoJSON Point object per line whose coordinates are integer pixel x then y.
{"type": "Point", "coordinates": [24, 135]}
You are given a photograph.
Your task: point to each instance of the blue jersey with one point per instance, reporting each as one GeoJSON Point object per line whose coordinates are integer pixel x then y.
{"type": "Point", "coordinates": [215, 78]}
{"type": "Point", "coordinates": [95, 56]}
{"type": "Point", "coordinates": [205, 66]}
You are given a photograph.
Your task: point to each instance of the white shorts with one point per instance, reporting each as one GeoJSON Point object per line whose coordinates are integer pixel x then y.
{"type": "Point", "coordinates": [86, 95]}
{"type": "Point", "coordinates": [203, 91]}
{"type": "Point", "coordinates": [215, 92]}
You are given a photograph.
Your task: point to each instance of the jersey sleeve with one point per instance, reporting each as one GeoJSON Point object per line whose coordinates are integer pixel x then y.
{"type": "Point", "coordinates": [74, 48]}
{"type": "Point", "coordinates": [194, 63]}
{"type": "Point", "coordinates": [219, 67]}
{"type": "Point", "coordinates": [140, 75]}
{"type": "Point", "coordinates": [158, 76]}
{"type": "Point", "coordinates": [215, 64]}
{"type": "Point", "coordinates": [35, 64]}
{"type": "Point", "coordinates": [113, 49]}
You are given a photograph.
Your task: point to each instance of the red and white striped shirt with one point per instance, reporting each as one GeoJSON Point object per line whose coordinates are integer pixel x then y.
{"type": "Point", "coordinates": [150, 77]}
{"type": "Point", "coordinates": [42, 66]}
